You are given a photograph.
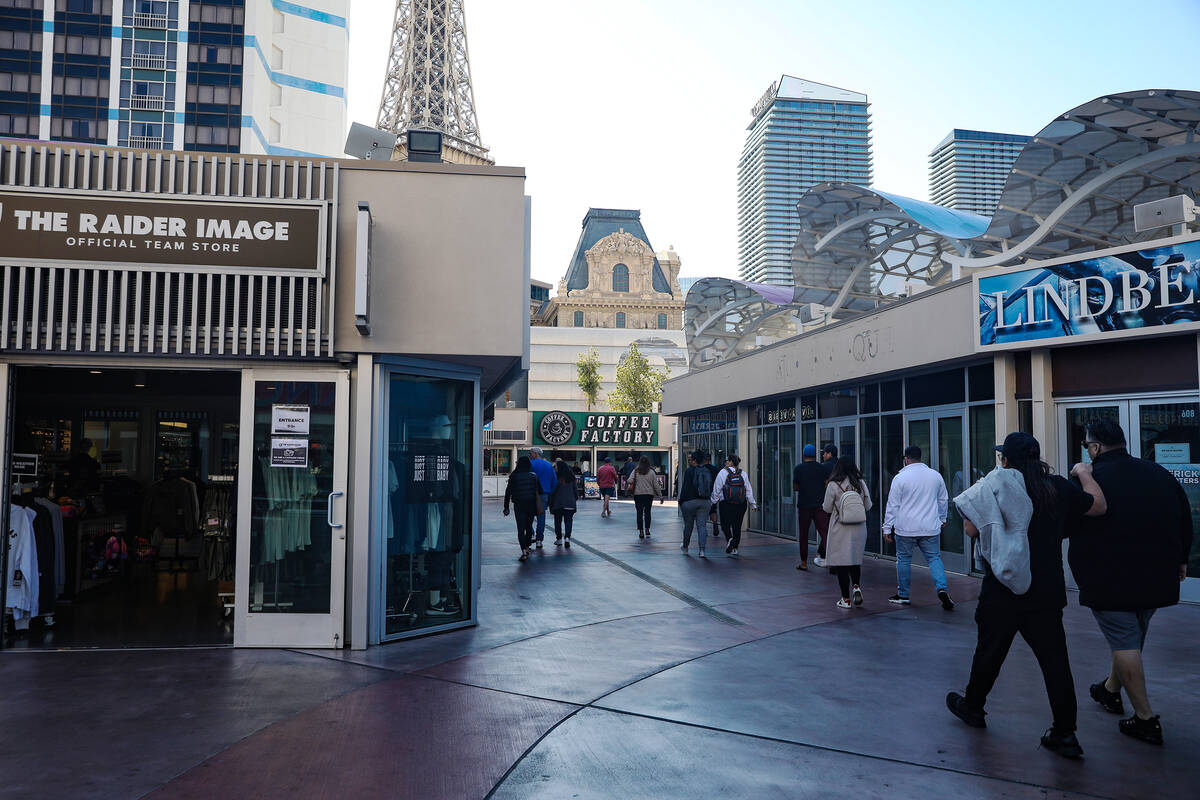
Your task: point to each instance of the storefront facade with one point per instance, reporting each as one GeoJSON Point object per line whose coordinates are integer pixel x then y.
{"type": "Point", "coordinates": [232, 378]}
{"type": "Point", "coordinates": [942, 371]}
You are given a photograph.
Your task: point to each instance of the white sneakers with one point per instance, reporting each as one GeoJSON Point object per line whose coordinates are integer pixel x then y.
{"type": "Point", "coordinates": [820, 562]}
{"type": "Point", "coordinates": [842, 604]}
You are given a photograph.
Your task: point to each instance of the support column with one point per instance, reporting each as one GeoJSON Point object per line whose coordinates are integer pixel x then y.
{"type": "Point", "coordinates": [358, 547]}
{"type": "Point", "coordinates": [1042, 385]}
{"type": "Point", "coordinates": [1004, 370]}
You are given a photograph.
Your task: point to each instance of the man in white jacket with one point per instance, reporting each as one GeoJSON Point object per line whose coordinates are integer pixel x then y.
{"type": "Point", "coordinates": [916, 511]}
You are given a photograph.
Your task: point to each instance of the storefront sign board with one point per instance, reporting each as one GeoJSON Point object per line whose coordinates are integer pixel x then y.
{"type": "Point", "coordinates": [289, 452]}
{"type": "Point", "coordinates": [108, 229]}
{"type": "Point", "coordinates": [565, 428]}
{"type": "Point", "coordinates": [1127, 291]}
{"type": "Point", "coordinates": [24, 463]}
{"type": "Point", "coordinates": [292, 419]}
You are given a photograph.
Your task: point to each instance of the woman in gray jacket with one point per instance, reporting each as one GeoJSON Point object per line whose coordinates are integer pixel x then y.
{"type": "Point", "coordinates": [644, 483]}
{"type": "Point", "coordinates": [847, 540]}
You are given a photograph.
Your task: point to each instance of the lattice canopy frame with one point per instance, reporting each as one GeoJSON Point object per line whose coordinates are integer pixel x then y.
{"type": "Point", "coordinates": [1071, 190]}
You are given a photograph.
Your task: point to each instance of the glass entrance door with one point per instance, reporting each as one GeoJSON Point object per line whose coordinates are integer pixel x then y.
{"type": "Point", "coordinates": [942, 440]}
{"type": "Point", "coordinates": [291, 545]}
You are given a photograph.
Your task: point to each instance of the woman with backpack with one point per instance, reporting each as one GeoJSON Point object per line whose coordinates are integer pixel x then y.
{"type": "Point", "coordinates": [525, 493]}
{"type": "Point", "coordinates": [562, 502]}
{"type": "Point", "coordinates": [847, 501]}
{"type": "Point", "coordinates": [644, 484]}
{"type": "Point", "coordinates": [732, 494]}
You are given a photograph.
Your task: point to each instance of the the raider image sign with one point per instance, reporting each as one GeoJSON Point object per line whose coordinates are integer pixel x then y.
{"type": "Point", "coordinates": [563, 428]}
{"type": "Point", "coordinates": [96, 229]}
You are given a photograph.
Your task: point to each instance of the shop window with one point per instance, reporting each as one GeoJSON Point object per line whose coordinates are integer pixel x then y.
{"type": "Point", "coordinates": [427, 535]}
{"type": "Point", "coordinates": [934, 389]}
{"type": "Point", "coordinates": [868, 397]}
{"type": "Point", "coordinates": [840, 403]}
{"type": "Point", "coordinates": [577, 319]}
{"type": "Point", "coordinates": [662, 322]}
{"type": "Point", "coordinates": [891, 396]}
{"type": "Point", "coordinates": [1025, 416]}
{"type": "Point", "coordinates": [891, 452]}
{"type": "Point", "coordinates": [620, 281]}
{"type": "Point", "coordinates": [868, 462]}
{"type": "Point", "coordinates": [981, 383]}
{"type": "Point", "coordinates": [620, 319]}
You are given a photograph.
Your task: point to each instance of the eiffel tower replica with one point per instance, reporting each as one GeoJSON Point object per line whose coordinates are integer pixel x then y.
{"type": "Point", "coordinates": [428, 83]}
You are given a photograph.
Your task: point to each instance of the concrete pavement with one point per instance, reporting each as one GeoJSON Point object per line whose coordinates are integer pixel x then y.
{"type": "Point", "coordinates": [618, 669]}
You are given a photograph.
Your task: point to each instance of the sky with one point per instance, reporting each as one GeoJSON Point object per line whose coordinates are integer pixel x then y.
{"type": "Point", "coordinates": [644, 103]}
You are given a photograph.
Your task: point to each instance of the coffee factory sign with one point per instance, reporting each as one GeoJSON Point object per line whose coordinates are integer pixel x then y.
{"type": "Point", "coordinates": [565, 428]}
{"type": "Point", "coordinates": [114, 230]}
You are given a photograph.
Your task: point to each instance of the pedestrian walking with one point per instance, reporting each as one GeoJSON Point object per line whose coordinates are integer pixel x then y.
{"type": "Point", "coordinates": [643, 484]}
{"type": "Point", "coordinates": [847, 502]}
{"type": "Point", "coordinates": [695, 491]}
{"type": "Point", "coordinates": [732, 493]}
{"type": "Point", "coordinates": [523, 494]}
{"type": "Point", "coordinates": [1128, 564]}
{"type": "Point", "coordinates": [712, 508]}
{"type": "Point", "coordinates": [1036, 613]}
{"type": "Point", "coordinates": [544, 471]}
{"type": "Point", "coordinates": [808, 481]}
{"type": "Point", "coordinates": [916, 513]}
{"type": "Point", "coordinates": [606, 481]}
{"type": "Point", "coordinates": [563, 503]}
{"type": "Point", "coordinates": [627, 470]}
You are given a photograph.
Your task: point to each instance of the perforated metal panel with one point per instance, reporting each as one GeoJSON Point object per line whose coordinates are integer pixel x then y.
{"type": "Point", "coordinates": [185, 311]}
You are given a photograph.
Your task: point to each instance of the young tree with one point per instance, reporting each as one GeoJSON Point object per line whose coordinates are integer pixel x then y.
{"type": "Point", "coordinates": [639, 385]}
{"type": "Point", "coordinates": [588, 367]}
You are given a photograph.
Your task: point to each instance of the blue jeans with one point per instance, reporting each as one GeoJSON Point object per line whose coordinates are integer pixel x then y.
{"type": "Point", "coordinates": [541, 518]}
{"type": "Point", "coordinates": [933, 556]}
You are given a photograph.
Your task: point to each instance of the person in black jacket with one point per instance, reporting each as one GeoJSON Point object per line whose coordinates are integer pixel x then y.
{"type": "Point", "coordinates": [562, 502]}
{"type": "Point", "coordinates": [523, 491]}
{"type": "Point", "coordinates": [1128, 564]}
{"type": "Point", "coordinates": [1038, 613]}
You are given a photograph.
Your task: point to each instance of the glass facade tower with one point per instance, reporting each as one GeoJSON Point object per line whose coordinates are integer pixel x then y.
{"type": "Point", "coordinates": [968, 169]}
{"type": "Point", "coordinates": [233, 76]}
{"type": "Point", "coordinates": [801, 134]}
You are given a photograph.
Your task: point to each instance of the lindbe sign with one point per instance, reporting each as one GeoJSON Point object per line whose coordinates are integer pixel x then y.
{"type": "Point", "coordinates": [96, 229]}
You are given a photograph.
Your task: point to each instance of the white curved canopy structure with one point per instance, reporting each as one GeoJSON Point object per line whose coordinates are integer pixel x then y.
{"type": "Point", "coordinates": [1072, 189]}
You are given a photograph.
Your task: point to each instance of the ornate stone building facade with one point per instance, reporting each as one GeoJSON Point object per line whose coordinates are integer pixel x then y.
{"type": "Point", "coordinates": [616, 280]}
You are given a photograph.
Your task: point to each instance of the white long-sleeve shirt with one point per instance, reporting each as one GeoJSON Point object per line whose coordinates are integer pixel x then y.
{"type": "Point", "coordinates": [917, 503]}
{"type": "Point", "coordinates": [718, 493]}
{"type": "Point", "coordinates": [22, 577]}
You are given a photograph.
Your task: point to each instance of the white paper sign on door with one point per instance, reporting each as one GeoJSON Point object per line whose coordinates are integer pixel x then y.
{"type": "Point", "coordinates": [289, 452]}
{"type": "Point", "coordinates": [290, 419]}
{"type": "Point", "coordinates": [1173, 453]}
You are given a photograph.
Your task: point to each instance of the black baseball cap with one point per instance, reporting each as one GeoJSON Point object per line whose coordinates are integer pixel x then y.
{"type": "Point", "coordinates": [1020, 446]}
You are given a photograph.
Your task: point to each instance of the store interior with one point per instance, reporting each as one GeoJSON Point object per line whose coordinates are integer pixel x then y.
{"type": "Point", "coordinates": [122, 510]}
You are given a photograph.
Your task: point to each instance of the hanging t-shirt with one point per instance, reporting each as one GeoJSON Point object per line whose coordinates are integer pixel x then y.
{"type": "Point", "coordinates": [22, 577]}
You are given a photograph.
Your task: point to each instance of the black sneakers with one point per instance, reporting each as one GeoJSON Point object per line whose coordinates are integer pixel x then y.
{"type": "Point", "coordinates": [1148, 730]}
{"type": "Point", "coordinates": [898, 600]}
{"type": "Point", "coordinates": [1109, 701]}
{"type": "Point", "coordinates": [947, 603]}
{"type": "Point", "coordinates": [1065, 744]}
{"type": "Point", "coordinates": [958, 707]}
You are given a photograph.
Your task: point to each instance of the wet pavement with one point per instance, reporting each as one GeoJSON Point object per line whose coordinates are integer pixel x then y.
{"type": "Point", "coordinates": [619, 668]}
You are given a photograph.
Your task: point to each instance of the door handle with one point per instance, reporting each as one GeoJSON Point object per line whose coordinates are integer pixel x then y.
{"type": "Point", "coordinates": [329, 511]}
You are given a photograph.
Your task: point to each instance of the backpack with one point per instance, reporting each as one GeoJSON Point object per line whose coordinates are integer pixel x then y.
{"type": "Point", "coordinates": [851, 508]}
{"type": "Point", "coordinates": [703, 481]}
{"type": "Point", "coordinates": [735, 487]}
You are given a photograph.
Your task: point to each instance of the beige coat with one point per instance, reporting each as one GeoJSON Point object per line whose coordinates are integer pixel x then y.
{"type": "Point", "coordinates": [846, 543]}
{"type": "Point", "coordinates": [644, 484]}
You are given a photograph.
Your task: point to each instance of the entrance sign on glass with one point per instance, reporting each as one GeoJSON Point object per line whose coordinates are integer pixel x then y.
{"type": "Point", "coordinates": [290, 419]}
{"type": "Point", "coordinates": [1173, 453]}
{"type": "Point", "coordinates": [289, 452]}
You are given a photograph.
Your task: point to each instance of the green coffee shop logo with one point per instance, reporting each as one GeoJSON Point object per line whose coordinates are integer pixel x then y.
{"type": "Point", "coordinates": [556, 428]}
